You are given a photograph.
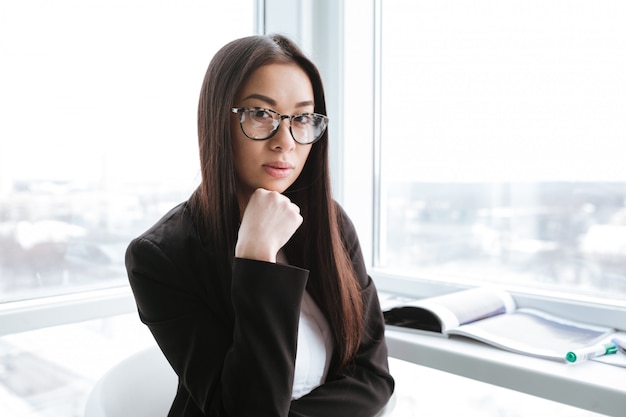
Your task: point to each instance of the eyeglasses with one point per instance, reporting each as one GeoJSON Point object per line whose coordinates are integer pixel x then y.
{"type": "Point", "coordinates": [258, 123]}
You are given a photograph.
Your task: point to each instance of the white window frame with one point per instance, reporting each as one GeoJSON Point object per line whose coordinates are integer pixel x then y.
{"type": "Point", "coordinates": [359, 184]}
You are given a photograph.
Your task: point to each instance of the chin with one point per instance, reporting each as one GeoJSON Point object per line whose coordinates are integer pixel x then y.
{"type": "Point", "coordinates": [278, 185]}
{"type": "Point", "coordinates": [278, 189]}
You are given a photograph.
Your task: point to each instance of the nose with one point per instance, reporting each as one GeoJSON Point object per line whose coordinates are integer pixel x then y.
{"type": "Point", "coordinates": [282, 139]}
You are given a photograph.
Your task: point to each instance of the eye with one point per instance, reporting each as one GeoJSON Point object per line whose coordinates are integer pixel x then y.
{"type": "Point", "coordinates": [302, 119]}
{"type": "Point", "coordinates": [260, 115]}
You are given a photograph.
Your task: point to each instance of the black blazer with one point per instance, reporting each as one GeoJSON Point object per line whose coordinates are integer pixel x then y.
{"type": "Point", "coordinates": [231, 338]}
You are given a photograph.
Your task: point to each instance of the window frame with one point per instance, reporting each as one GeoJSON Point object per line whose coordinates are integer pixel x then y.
{"type": "Point", "coordinates": [367, 219]}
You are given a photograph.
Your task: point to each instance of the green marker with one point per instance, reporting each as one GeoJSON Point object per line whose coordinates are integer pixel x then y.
{"type": "Point", "coordinates": [591, 352]}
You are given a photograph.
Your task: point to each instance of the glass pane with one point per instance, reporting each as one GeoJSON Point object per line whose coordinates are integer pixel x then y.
{"type": "Point", "coordinates": [502, 153]}
{"type": "Point", "coordinates": [98, 133]}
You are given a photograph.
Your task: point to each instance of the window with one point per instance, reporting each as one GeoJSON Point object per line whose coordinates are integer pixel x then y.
{"type": "Point", "coordinates": [487, 151]}
{"type": "Point", "coordinates": [98, 139]}
{"type": "Point", "coordinates": [98, 134]}
{"type": "Point", "coordinates": [501, 127]}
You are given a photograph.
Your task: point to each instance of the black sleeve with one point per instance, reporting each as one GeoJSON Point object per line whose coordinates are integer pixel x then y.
{"type": "Point", "coordinates": [365, 386]}
{"type": "Point", "coordinates": [241, 368]}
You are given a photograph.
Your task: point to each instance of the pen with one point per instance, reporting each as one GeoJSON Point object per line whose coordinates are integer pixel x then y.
{"type": "Point", "coordinates": [620, 343]}
{"type": "Point", "coordinates": [590, 352]}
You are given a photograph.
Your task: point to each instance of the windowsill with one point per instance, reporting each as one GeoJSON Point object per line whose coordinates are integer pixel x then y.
{"type": "Point", "coordinates": [20, 316]}
{"type": "Point", "coordinates": [589, 385]}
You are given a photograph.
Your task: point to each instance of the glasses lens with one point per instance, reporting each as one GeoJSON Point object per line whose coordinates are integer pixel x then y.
{"type": "Point", "coordinates": [307, 128]}
{"type": "Point", "coordinates": [258, 123]}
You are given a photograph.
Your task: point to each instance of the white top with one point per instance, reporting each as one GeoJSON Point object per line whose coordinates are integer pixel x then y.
{"type": "Point", "coordinates": [315, 348]}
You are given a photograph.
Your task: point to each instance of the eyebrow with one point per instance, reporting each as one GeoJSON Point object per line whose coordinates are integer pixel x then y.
{"type": "Point", "coordinates": [273, 102]}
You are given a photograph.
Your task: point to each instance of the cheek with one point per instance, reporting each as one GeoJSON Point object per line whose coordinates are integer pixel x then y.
{"type": "Point", "coordinates": [304, 153]}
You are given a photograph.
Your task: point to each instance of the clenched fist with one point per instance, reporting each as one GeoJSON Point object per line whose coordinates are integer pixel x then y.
{"type": "Point", "coordinates": [269, 221]}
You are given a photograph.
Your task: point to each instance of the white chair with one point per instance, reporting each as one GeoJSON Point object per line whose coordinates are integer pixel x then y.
{"type": "Point", "coordinates": [142, 385]}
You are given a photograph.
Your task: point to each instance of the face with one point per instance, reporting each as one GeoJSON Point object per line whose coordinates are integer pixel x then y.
{"type": "Point", "coordinates": [275, 163]}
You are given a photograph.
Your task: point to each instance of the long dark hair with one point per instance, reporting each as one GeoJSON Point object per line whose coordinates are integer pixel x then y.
{"type": "Point", "coordinates": [317, 245]}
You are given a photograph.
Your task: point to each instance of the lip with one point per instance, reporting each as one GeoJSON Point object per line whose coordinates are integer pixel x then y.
{"type": "Point", "coordinates": [278, 169]}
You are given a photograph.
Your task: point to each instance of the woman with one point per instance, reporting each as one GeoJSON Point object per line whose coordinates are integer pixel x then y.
{"type": "Point", "coordinates": [255, 289]}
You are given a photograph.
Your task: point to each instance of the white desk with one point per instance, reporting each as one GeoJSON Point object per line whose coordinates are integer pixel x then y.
{"type": "Point", "coordinates": [590, 385]}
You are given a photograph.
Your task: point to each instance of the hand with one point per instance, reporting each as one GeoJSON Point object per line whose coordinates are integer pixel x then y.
{"type": "Point", "coordinates": [269, 221]}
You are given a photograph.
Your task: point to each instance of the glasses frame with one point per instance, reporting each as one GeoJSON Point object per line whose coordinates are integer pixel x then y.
{"type": "Point", "coordinates": [240, 110]}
